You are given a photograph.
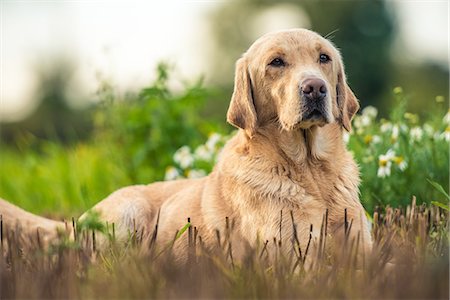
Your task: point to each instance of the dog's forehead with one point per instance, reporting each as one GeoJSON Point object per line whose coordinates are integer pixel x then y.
{"type": "Point", "coordinates": [286, 39]}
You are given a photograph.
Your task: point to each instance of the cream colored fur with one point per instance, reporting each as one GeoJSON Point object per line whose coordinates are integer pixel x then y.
{"type": "Point", "coordinates": [276, 162]}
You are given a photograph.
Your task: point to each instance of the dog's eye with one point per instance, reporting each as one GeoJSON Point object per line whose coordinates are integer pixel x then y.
{"type": "Point", "coordinates": [277, 62]}
{"type": "Point", "coordinates": [323, 58]}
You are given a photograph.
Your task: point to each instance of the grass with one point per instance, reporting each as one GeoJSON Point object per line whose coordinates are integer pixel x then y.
{"type": "Point", "coordinates": [60, 181]}
{"type": "Point", "coordinates": [409, 260]}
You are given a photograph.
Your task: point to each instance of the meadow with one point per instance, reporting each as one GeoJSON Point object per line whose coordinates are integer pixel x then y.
{"type": "Point", "coordinates": [157, 134]}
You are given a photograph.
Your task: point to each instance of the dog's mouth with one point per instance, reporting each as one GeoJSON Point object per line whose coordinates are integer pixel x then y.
{"type": "Point", "coordinates": [314, 115]}
{"type": "Point", "coordinates": [314, 110]}
{"type": "Point", "coordinates": [309, 116]}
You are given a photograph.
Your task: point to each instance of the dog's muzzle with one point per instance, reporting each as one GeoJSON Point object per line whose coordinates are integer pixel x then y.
{"type": "Point", "coordinates": [314, 92]}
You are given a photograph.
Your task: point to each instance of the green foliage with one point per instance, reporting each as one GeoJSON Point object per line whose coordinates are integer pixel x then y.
{"type": "Point", "coordinates": [45, 177]}
{"type": "Point", "coordinates": [398, 155]}
{"type": "Point", "coordinates": [440, 189]}
{"type": "Point", "coordinates": [134, 141]}
{"type": "Point", "coordinates": [153, 125]}
{"type": "Point", "coordinates": [183, 230]}
{"type": "Point", "coordinates": [91, 222]}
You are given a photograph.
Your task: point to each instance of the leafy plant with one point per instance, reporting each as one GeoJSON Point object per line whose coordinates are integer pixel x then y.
{"type": "Point", "coordinates": [151, 126]}
{"type": "Point", "coordinates": [134, 141]}
{"type": "Point", "coordinates": [91, 222]}
{"type": "Point", "coordinates": [440, 189]}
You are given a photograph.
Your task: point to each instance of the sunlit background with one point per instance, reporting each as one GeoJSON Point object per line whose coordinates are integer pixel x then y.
{"type": "Point", "coordinates": [55, 54]}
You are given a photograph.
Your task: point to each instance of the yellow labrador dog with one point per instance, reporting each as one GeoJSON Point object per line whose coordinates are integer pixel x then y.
{"type": "Point", "coordinates": [291, 104]}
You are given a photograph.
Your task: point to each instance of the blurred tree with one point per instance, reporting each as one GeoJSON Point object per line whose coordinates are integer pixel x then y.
{"type": "Point", "coordinates": [363, 30]}
{"type": "Point", "coordinates": [54, 118]}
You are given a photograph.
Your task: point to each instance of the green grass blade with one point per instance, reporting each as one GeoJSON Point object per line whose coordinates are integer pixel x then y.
{"type": "Point", "coordinates": [182, 230]}
{"type": "Point", "coordinates": [441, 205]}
{"type": "Point", "coordinates": [439, 187]}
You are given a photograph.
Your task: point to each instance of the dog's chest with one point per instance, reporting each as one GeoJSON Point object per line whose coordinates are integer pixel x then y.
{"type": "Point", "coordinates": [268, 190]}
{"type": "Point", "coordinates": [265, 205]}
{"type": "Point", "coordinates": [272, 218]}
{"type": "Point", "coordinates": [278, 184]}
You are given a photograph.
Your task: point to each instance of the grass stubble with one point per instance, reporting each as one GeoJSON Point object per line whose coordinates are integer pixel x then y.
{"type": "Point", "coordinates": [409, 260]}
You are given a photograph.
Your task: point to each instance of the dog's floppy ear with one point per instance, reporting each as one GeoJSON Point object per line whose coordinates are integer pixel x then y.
{"type": "Point", "coordinates": [242, 113]}
{"type": "Point", "coordinates": [347, 102]}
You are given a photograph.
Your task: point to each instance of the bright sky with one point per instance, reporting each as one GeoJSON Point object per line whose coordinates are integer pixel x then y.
{"type": "Point", "coordinates": [124, 40]}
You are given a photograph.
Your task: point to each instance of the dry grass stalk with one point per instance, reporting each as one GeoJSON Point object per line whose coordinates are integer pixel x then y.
{"type": "Point", "coordinates": [409, 260]}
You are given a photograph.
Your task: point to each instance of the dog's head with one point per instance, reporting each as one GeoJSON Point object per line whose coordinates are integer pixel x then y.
{"type": "Point", "coordinates": [293, 77]}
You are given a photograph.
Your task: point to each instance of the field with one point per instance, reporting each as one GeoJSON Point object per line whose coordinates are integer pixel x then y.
{"type": "Point", "coordinates": [160, 134]}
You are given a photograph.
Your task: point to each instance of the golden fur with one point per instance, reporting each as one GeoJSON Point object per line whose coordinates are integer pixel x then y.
{"type": "Point", "coordinates": [277, 161]}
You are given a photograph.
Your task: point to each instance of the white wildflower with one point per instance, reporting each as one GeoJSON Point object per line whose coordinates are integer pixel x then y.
{"type": "Point", "coordinates": [376, 139]}
{"type": "Point", "coordinates": [203, 153]}
{"type": "Point", "coordinates": [403, 165]}
{"type": "Point", "coordinates": [447, 117]}
{"type": "Point", "coordinates": [386, 126]}
{"type": "Point", "coordinates": [384, 171]}
{"type": "Point", "coordinates": [171, 173]}
{"type": "Point", "coordinates": [395, 132]}
{"type": "Point", "coordinates": [370, 112]}
{"type": "Point", "coordinates": [213, 140]}
{"type": "Point", "coordinates": [361, 121]}
{"type": "Point", "coordinates": [400, 162]}
{"type": "Point", "coordinates": [416, 133]}
{"type": "Point", "coordinates": [183, 157]}
{"type": "Point", "coordinates": [369, 139]}
{"type": "Point", "coordinates": [384, 164]}
{"type": "Point", "coordinates": [196, 173]}
{"type": "Point", "coordinates": [428, 129]}
{"type": "Point", "coordinates": [384, 167]}
{"type": "Point", "coordinates": [365, 121]}
{"type": "Point", "coordinates": [357, 122]}
{"type": "Point", "coordinates": [346, 137]}
{"type": "Point", "coordinates": [390, 154]}
{"type": "Point", "coordinates": [446, 134]}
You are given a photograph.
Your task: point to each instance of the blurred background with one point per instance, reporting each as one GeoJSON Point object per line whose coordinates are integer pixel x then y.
{"type": "Point", "coordinates": [96, 95]}
{"type": "Point", "coordinates": [56, 55]}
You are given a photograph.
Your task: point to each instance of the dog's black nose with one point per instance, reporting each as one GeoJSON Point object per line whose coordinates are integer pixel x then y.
{"type": "Point", "coordinates": [314, 88]}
